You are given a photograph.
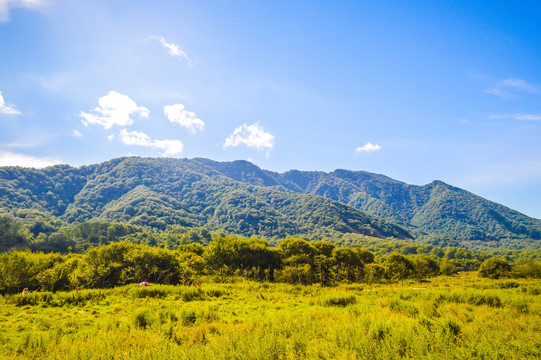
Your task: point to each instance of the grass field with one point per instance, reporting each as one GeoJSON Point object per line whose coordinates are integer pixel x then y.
{"type": "Point", "coordinates": [460, 317]}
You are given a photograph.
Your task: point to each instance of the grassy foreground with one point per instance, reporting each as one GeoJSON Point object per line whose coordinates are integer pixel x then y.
{"type": "Point", "coordinates": [461, 317]}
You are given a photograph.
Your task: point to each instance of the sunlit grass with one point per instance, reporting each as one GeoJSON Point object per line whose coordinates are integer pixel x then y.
{"type": "Point", "coordinates": [449, 318]}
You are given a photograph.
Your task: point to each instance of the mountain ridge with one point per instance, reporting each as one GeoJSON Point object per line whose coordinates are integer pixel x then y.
{"type": "Point", "coordinates": [436, 208]}
{"type": "Point", "coordinates": [161, 192]}
{"type": "Point", "coordinates": [242, 198]}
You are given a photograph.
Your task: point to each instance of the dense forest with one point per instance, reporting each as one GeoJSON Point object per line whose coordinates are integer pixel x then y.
{"type": "Point", "coordinates": [161, 192]}
{"type": "Point", "coordinates": [240, 198]}
{"type": "Point", "coordinates": [433, 211]}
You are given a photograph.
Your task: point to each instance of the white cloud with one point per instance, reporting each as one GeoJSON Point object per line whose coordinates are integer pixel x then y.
{"type": "Point", "coordinates": [110, 137]}
{"type": "Point", "coordinates": [520, 85]}
{"type": "Point", "coordinates": [169, 147]}
{"type": "Point", "coordinates": [251, 136]}
{"type": "Point", "coordinates": [77, 133]}
{"type": "Point", "coordinates": [498, 92]}
{"type": "Point", "coordinates": [114, 109]}
{"type": "Point", "coordinates": [135, 138]}
{"type": "Point", "coordinates": [188, 119]}
{"type": "Point", "coordinates": [512, 87]}
{"type": "Point", "coordinates": [517, 116]}
{"type": "Point", "coordinates": [7, 108]}
{"type": "Point", "coordinates": [173, 49]}
{"type": "Point", "coordinates": [368, 147]}
{"type": "Point", "coordinates": [6, 5]}
{"type": "Point", "coordinates": [13, 159]}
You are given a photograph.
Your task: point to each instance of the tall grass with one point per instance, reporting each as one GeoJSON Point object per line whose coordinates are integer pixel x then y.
{"type": "Point", "coordinates": [449, 318]}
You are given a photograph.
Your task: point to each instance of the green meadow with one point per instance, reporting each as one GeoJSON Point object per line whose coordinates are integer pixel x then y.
{"type": "Point", "coordinates": [447, 317]}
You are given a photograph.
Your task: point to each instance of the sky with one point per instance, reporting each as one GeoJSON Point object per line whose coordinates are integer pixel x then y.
{"type": "Point", "coordinates": [415, 90]}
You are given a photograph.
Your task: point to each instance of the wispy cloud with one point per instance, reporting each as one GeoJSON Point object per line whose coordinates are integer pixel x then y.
{"type": "Point", "coordinates": [169, 147]}
{"type": "Point", "coordinates": [517, 116]}
{"type": "Point", "coordinates": [174, 50]}
{"type": "Point", "coordinates": [7, 108]}
{"type": "Point", "coordinates": [252, 136]}
{"type": "Point", "coordinates": [498, 92]}
{"type": "Point", "coordinates": [520, 85]}
{"type": "Point", "coordinates": [13, 159]}
{"type": "Point", "coordinates": [188, 119]}
{"type": "Point", "coordinates": [114, 109]}
{"type": "Point", "coordinates": [368, 147]}
{"type": "Point", "coordinates": [77, 133]}
{"type": "Point", "coordinates": [512, 87]}
{"type": "Point", "coordinates": [6, 5]}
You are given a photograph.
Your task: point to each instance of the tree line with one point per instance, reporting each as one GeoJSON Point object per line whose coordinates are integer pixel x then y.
{"type": "Point", "coordinates": [294, 261]}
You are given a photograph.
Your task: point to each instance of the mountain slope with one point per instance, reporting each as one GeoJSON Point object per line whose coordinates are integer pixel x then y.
{"type": "Point", "coordinates": [241, 198]}
{"type": "Point", "coordinates": [433, 209]}
{"type": "Point", "coordinates": [160, 192]}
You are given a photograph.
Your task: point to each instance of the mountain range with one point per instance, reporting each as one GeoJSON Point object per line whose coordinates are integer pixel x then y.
{"type": "Point", "coordinates": [239, 197]}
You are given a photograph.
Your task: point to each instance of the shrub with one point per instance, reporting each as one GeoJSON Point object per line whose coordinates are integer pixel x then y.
{"type": "Point", "coordinates": [188, 317]}
{"type": "Point", "coordinates": [142, 319]}
{"type": "Point", "coordinates": [507, 285]}
{"type": "Point", "coordinates": [527, 270]}
{"type": "Point", "coordinates": [299, 274]}
{"type": "Point", "coordinates": [494, 268]}
{"type": "Point", "coordinates": [401, 306]}
{"type": "Point", "coordinates": [450, 327]}
{"type": "Point", "coordinates": [339, 300]}
{"type": "Point", "coordinates": [31, 298]}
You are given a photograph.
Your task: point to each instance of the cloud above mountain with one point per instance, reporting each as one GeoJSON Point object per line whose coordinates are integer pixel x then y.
{"type": "Point", "coordinates": [253, 136]}
{"type": "Point", "coordinates": [114, 109]}
{"type": "Point", "coordinates": [139, 138]}
{"type": "Point", "coordinates": [176, 114]}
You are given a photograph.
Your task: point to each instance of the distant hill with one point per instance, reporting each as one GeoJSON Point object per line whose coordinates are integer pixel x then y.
{"type": "Point", "coordinates": [160, 192]}
{"type": "Point", "coordinates": [239, 197]}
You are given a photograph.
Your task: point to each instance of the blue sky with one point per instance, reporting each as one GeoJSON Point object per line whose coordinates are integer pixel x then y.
{"type": "Point", "coordinates": [416, 90]}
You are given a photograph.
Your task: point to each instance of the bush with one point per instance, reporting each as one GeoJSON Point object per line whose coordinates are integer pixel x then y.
{"type": "Point", "coordinates": [494, 268]}
{"type": "Point", "coordinates": [299, 274]}
{"type": "Point", "coordinates": [507, 285]}
{"type": "Point", "coordinates": [401, 306]}
{"type": "Point", "coordinates": [142, 319]}
{"type": "Point", "coordinates": [339, 300]}
{"type": "Point", "coordinates": [527, 270]}
{"type": "Point", "coordinates": [31, 298]}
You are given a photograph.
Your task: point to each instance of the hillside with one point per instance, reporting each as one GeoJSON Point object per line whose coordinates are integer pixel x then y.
{"type": "Point", "coordinates": [239, 197]}
{"type": "Point", "coordinates": [433, 209]}
{"type": "Point", "coordinates": [161, 192]}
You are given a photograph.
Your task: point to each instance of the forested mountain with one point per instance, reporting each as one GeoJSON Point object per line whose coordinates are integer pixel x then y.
{"type": "Point", "coordinates": [161, 192]}
{"type": "Point", "coordinates": [433, 209]}
{"type": "Point", "coordinates": [239, 197]}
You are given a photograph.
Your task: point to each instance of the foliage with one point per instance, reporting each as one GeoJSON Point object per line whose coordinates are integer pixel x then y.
{"type": "Point", "coordinates": [530, 270]}
{"type": "Point", "coordinates": [12, 234]}
{"type": "Point", "coordinates": [398, 267]}
{"type": "Point", "coordinates": [21, 269]}
{"type": "Point", "coordinates": [230, 258]}
{"type": "Point", "coordinates": [238, 254]}
{"type": "Point", "coordinates": [169, 195]}
{"type": "Point", "coordinates": [494, 268]}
